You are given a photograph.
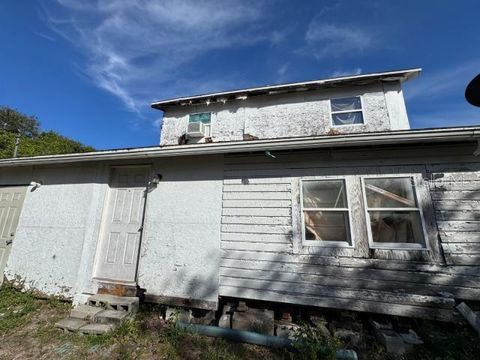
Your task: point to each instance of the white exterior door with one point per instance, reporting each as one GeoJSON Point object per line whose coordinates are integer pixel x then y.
{"type": "Point", "coordinates": [117, 253]}
{"type": "Point", "coordinates": [11, 201]}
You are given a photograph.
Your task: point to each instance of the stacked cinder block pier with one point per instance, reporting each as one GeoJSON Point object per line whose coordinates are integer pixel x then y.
{"type": "Point", "coordinates": [101, 314]}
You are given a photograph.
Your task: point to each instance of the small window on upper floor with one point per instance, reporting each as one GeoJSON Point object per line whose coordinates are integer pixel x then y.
{"type": "Point", "coordinates": [200, 117]}
{"type": "Point", "coordinates": [346, 111]}
{"type": "Point", "coordinates": [205, 127]}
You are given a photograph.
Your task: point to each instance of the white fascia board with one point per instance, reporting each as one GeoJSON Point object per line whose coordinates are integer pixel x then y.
{"type": "Point", "coordinates": [351, 140]}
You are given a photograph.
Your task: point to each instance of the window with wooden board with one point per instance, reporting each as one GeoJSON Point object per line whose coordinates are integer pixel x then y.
{"type": "Point", "coordinates": [393, 214]}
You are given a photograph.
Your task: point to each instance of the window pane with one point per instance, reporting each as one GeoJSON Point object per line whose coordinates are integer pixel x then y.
{"type": "Point", "coordinates": [396, 227]}
{"type": "Point", "coordinates": [351, 103]}
{"type": "Point", "coordinates": [349, 118]}
{"type": "Point", "coordinates": [390, 192]}
{"type": "Point", "coordinates": [200, 117]}
{"type": "Point", "coordinates": [324, 194]}
{"type": "Point", "coordinates": [326, 226]}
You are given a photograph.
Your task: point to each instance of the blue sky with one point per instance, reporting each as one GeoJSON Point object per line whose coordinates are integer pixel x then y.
{"type": "Point", "coordinates": [89, 69]}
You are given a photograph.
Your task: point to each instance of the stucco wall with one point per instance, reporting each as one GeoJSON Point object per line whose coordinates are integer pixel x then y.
{"type": "Point", "coordinates": [297, 114]}
{"type": "Point", "coordinates": [181, 240]}
{"type": "Point", "coordinates": [56, 226]}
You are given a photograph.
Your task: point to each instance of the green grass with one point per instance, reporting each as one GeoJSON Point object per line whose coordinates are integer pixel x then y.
{"type": "Point", "coordinates": [16, 308]}
{"type": "Point", "coordinates": [27, 328]}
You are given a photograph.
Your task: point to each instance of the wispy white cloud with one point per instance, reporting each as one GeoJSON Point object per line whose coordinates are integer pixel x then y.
{"type": "Point", "coordinates": [142, 50]}
{"type": "Point", "coordinates": [340, 73]}
{"type": "Point", "coordinates": [325, 39]}
{"type": "Point", "coordinates": [442, 82]}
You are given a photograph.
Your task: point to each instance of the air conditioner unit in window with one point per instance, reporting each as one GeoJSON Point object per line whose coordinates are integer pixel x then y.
{"type": "Point", "coordinates": [196, 129]}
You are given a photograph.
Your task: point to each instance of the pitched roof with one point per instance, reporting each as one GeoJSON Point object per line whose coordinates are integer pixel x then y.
{"type": "Point", "coordinates": [360, 79]}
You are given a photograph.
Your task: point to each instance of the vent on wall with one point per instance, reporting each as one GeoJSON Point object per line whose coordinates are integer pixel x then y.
{"type": "Point", "coordinates": [196, 129]}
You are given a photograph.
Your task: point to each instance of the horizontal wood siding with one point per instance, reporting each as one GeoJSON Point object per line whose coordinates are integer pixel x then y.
{"type": "Point", "coordinates": [456, 199]}
{"type": "Point", "coordinates": [263, 259]}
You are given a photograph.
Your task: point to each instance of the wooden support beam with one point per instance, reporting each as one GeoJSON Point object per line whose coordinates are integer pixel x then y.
{"type": "Point", "coordinates": [469, 315]}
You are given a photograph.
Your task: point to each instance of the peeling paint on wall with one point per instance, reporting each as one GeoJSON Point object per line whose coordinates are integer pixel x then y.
{"type": "Point", "coordinates": [291, 115]}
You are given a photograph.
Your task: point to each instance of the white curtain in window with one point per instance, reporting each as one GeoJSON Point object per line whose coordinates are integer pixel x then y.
{"type": "Point", "coordinates": [348, 118]}
{"type": "Point", "coordinates": [345, 104]}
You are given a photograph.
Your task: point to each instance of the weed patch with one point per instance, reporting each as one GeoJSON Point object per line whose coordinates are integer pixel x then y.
{"type": "Point", "coordinates": [16, 308]}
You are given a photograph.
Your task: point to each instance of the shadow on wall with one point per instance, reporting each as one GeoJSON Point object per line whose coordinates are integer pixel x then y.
{"type": "Point", "coordinates": [378, 281]}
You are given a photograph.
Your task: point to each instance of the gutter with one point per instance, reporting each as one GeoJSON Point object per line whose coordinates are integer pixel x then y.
{"type": "Point", "coordinates": [349, 140]}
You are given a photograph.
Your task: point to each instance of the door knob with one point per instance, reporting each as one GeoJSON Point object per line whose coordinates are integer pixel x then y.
{"type": "Point", "coordinates": [9, 242]}
{"type": "Point", "coordinates": [12, 234]}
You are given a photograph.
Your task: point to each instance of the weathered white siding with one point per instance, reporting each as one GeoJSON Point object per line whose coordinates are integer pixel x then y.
{"type": "Point", "coordinates": [263, 257]}
{"type": "Point", "coordinates": [180, 251]}
{"type": "Point", "coordinates": [291, 115]}
{"type": "Point", "coordinates": [456, 198]}
{"type": "Point", "coordinates": [55, 240]}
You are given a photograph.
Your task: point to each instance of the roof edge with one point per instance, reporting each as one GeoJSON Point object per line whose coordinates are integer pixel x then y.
{"type": "Point", "coordinates": [394, 75]}
{"type": "Point", "coordinates": [325, 141]}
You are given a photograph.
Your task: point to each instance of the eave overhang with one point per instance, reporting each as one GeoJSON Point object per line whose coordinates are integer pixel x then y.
{"type": "Point", "coordinates": [464, 134]}
{"type": "Point", "coordinates": [242, 94]}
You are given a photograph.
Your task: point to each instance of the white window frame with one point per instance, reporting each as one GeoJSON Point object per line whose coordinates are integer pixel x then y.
{"type": "Point", "coordinates": [395, 246]}
{"type": "Point", "coordinates": [346, 111]}
{"type": "Point", "coordinates": [342, 244]}
{"type": "Point", "coordinates": [209, 132]}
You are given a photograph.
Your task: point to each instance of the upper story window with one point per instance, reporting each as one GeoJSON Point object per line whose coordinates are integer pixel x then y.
{"type": "Point", "coordinates": [200, 117]}
{"type": "Point", "coordinates": [393, 214]}
{"type": "Point", "coordinates": [346, 111]}
{"type": "Point", "coordinates": [325, 213]}
{"type": "Point", "coordinates": [203, 121]}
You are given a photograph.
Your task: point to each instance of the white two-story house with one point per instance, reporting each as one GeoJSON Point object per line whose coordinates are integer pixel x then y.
{"type": "Point", "coordinates": [312, 194]}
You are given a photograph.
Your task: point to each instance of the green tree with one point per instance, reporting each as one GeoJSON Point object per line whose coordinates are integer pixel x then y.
{"type": "Point", "coordinates": [13, 121]}
{"type": "Point", "coordinates": [32, 140]}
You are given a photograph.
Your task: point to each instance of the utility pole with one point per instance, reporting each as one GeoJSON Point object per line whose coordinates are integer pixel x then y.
{"type": "Point", "coordinates": [17, 144]}
{"type": "Point", "coordinates": [17, 139]}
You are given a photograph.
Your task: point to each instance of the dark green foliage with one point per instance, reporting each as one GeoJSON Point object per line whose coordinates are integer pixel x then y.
{"type": "Point", "coordinates": [13, 121]}
{"type": "Point", "coordinates": [312, 344]}
{"type": "Point", "coordinates": [446, 342]}
{"type": "Point", "coordinates": [33, 141]}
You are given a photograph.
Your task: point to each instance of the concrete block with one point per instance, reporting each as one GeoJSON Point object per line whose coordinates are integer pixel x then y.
{"type": "Point", "coordinates": [85, 312]}
{"type": "Point", "coordinates": [321, 324]}
{"type": "Point", "coordinates": [110, 317]}
{"type": "Point", "coordinates": [411, 338]}
{"type": "Point", "coordinates": [354, 325]}
{"type": "Point", "coordinates": [183, 315]}
{"type": "Point", "coordinates": [112, 302]}
{"type": "Point", "coordinates": [349, 337]}
{"type": "Point", "coordinates": [242, 306]}
{"type": "Point", "coordinates": [316, 320]}
{"type": "Point", "coordinates": [70, 324]}
{"type": "Point", "coordinates": [228, 308]}
{"type": "Point", "coordinates": [96, 329]}
{"type": "Point", "coordinates": [285, 329]}
{"type": "Point", "coordinates": [224, 321]}
{"type": "Point", "coordinates": [80, 299]}
{"type": "Point", "coordinates": [257, 320]}
{"type": "Point", "coordinates": [391, 340]}
{"type": "Point", "coordinates": [207, 318]}
{"type": "Point", "coordinates": [380, 325]}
